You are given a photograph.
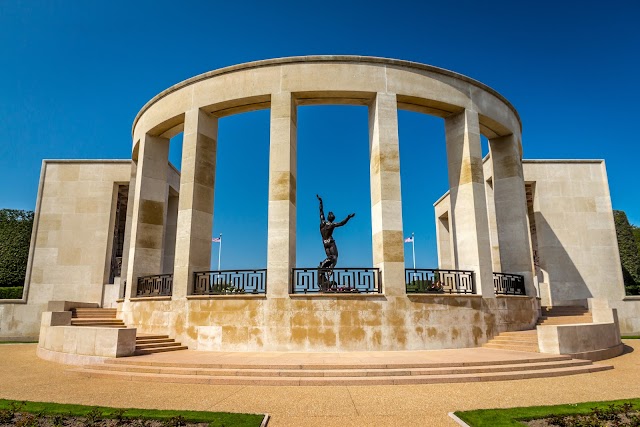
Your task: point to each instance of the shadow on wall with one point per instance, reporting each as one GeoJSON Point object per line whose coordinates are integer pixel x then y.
{"type": "Point", "coordinates": [565, 281]}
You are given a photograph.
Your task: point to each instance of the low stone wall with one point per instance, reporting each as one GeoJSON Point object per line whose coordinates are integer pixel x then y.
{"type": "Point", "coordinates": [330, 322]}
{"type": "Point", "coordinates": [593, 341]}
{"type": "Point", "coordinates": [74, 344]}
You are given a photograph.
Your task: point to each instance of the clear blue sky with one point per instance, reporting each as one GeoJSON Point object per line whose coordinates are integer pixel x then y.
{"type": "Point", "coordinates": [74, 74]}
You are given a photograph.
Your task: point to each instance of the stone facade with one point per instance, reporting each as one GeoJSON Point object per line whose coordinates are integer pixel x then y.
{"type": "Point", "coordinates": [169, 218]}
{"type": "Point", "coordinates": [572, 238]}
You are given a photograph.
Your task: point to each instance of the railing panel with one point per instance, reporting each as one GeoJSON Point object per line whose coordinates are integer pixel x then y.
{"type": "Point", "coordinates": [508, 284]}
{"type": "Point", "coordinates": [337, 280]}
{"type": "Point", "coordinates": [154, 286]}
{"type": "Point", "coordinates": [230, 282]}
{"type": "Point", "coordinates": [439, 281]}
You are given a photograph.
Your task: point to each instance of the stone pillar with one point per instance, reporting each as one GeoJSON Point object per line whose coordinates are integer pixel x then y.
{"type": "Point", "coordinates": [443, 236]}
{"type": "Point", "coordinates": [510, 200]}
{"type": "Point", "coordinates": [468, 201]}
{"type": "Point", "coordinates": [493, 227]}
{"type": "Point", "coordinates": [195, 201]}
{"type": "Point", "coordinates": [124, 271]}
{"type": "Point", "coordinates": [386, 200]}
{"type": "Point", "coordinates": [169, 248]}
{"type": "Point", "coordinates": [281, 252]}
{"type": "Point", "coordinates": [147, 225]}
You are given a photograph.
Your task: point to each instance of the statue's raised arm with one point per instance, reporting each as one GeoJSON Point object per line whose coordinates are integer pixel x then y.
{"type": "Point", "coordinates": [344, 221]}
{"type": "Point", "coordinates": [321, 209]}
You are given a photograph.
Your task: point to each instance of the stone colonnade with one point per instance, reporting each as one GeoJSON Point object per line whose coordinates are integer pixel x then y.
{"type": "Point", "coordinates": [194, 106]}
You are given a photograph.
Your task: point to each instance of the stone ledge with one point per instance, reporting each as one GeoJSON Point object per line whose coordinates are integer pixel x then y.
{"type": "Point", "coordinates": [514, 296]}
{"type": "Point", "coordinates": [162, 298]}
{"type": "Point", "coordinates": [13, 301]}
{"type": "Point", "coordinates": [626, 298]}
{"type": "Point", "coordinates": [337, 295]}
{"type": "Point", "coordinates": [444, 295]}
{"type": "Point", "coordinates": [233, 296]}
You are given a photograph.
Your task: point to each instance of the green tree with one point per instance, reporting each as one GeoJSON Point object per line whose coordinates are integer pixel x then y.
{"type": "Point", "coordinates": [636, 234]}
{"type": "Point", "coordinates": [629, 256]}
{"type": "Point", "coordinates": [15, 237]}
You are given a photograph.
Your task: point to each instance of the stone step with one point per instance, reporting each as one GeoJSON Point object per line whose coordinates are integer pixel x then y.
{"type": "Point", "coordinates": [85, 322]}
{"type": "Point", "coordinates": [152, 340]}
{"type": "Point", "coordinates": [340, 380]}
{"type": "Point", "coordinates": [152, 350]}
{"type": "Point", "coordinates": [340, 372]}
{"type": "Point", "coordinates": [506, 340]}
{"type": "Point", "coordinates": [566, 320]}
{"type": "Point", "coordinates": [514, 346]}
{"type": "Point", "coordinates": [144, 346]}
{"type": "Point", "coordinates": [146, 337]}
{"type": "Point", "coordinates": [564, 313]}
{"type": "Point", "coordinates": [94, 312]}
{"type": "Point", "coordinates": [326, 366]}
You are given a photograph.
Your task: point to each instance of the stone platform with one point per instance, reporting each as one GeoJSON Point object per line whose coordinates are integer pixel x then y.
{"type": "Point", "coordinates": [331, 369]}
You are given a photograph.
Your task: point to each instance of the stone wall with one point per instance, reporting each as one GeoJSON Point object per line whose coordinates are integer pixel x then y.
{"type": "Point", "coordinates": [331, 323]}
{"type": "Point", "coordinates": [71, 241]}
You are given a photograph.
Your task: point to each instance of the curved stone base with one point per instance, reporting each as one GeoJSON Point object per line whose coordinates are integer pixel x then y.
{"type": "Point", "coordinates": [334, 369]}
{"type": "Point", "coordinates": [331, 323]}
{"type": "Point", "coordinates": [602, 354]}
{"type": "Point", "coordinates": [68, 358]}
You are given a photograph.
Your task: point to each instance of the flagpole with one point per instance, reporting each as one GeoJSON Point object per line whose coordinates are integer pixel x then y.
{"type": "Point", "coordinates": [413, 245]}
{"type": "Point", "coordinates": [219, 251]}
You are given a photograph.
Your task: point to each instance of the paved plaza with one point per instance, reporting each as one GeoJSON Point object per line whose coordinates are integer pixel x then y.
{"type": "Point", "coordinates": [24, 376]}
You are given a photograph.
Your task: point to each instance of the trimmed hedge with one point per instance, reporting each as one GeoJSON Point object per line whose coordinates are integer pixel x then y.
{"type": "Point", "coordinates": [629, 257]}
{"type": "Point", "coordinates": [11, 293]}
{"type": "Point", "coordinates": [15, 237]}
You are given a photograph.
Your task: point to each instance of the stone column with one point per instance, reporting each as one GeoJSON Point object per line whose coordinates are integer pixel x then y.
{"type": "Point", "coordinates": [386, 200]}
{"type": "Point", "coordinates": [468, 201]}
{"type": "Point", "coordinates": [510, 200]}
{"type": "Point", "coordinates": [124, 271]}
{"type": "Point", "coordinates": [195, 201]}
{"type": "Point", "coordinates": [147, 226]}
{"type": "Point", "coordinates": [281, 252]}
{"type": "Point", "coordinates": [169, 248]}
{"type": "Point", "coordinates": [443, 236]}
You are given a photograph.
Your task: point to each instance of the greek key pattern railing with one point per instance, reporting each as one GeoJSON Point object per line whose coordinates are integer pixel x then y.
{"type": "Point", "coordinates": [155, 286]}
{"type": "Point", "coordinates": [508, 284]}
{"type": "Point", "coordinates": [437, 281]}
{"type": "Point", "coordinates": [230, 282]}
{"type": "Point", "coordinates": [337, 280]}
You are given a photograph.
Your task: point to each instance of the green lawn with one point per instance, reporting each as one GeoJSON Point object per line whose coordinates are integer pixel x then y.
{"type": "Point", "coordinates": [215, 419]}
{"type": "Point", "coordinates": [18, 342]}
{"type": "Point", "coordinates": [510, 417]}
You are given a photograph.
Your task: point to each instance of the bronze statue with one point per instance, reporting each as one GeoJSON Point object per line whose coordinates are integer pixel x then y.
{"type": "Point", "coordinates": [326, 230]}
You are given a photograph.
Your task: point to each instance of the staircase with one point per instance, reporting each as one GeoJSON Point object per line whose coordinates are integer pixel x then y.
{"type": "Point", "coordinates": [528, 340]}
{"type": "Point", "coordinates": [106, 318]}
{"type": "Point", "coordinates": [564, 315]}
{"type": "Point", "coordinates": [148, 344]}
{"type": "Point", "coordinates": [226, 369]}
{"type": "Point", "coordinates": [519, 341]}
{"type": "Point", "coordinates": [102, 317]}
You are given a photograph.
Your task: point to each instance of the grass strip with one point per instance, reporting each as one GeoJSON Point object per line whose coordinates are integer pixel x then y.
{"type": "Point", "coordinates": [215, 419]}
{"type": "Point", "coordinates": [510, 417]}
{"type": "Point", "coordinates": [630, 337]}
{"type": "Point", "coordinates": [18, 342]}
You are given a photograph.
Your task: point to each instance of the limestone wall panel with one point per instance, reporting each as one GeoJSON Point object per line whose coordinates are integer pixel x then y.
{"type": "Point", "coordinates": [71, 239]}
{"type": "Point", "coordinates": [313, 323]}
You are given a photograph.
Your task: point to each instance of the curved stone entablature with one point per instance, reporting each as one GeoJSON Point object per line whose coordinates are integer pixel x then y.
{"type": "Point", "coordinates": [327, 80]}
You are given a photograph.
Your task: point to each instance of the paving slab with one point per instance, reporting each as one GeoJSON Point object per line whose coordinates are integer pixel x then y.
{"type": "Point", "coordinates": [24, 376]}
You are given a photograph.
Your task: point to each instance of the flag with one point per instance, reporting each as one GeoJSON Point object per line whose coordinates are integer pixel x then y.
{"type": "Point", "coordinates": [409, 240]}
{"type": "Point", "coordinates": [216, 239]}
